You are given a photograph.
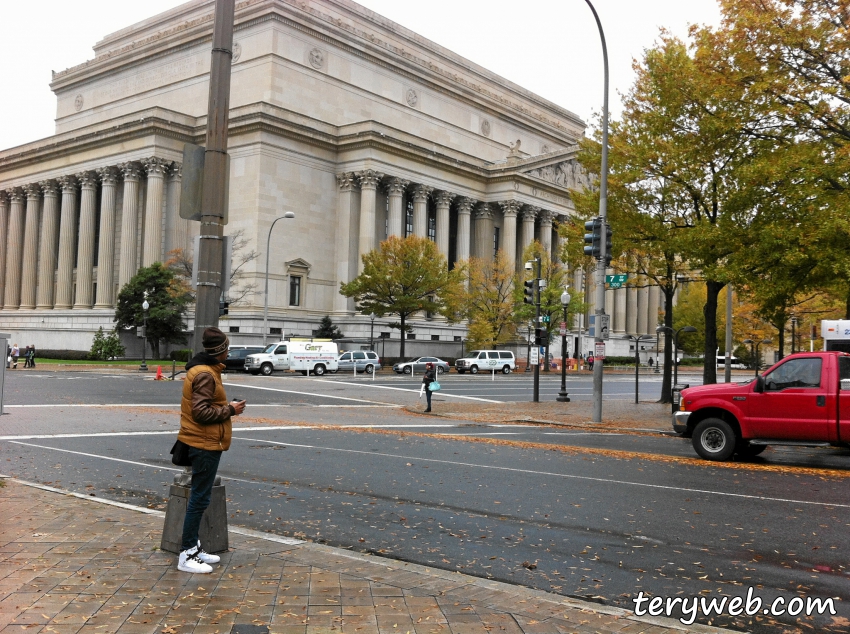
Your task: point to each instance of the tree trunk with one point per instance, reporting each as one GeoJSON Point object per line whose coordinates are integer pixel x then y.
{"type": "Point", "coordinates": [709, 368]}
{"type": "Point", "coordinates": [154, 348]}
{"type": "Point", "coordinates": [666, 380]}
{"type": "Point", "coordinates": [401, 347]}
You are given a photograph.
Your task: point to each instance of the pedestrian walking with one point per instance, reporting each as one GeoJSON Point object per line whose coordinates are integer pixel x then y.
{"type": "Point", "coordinates": [650, 363]}
{"type": "Point", "coordinates": [16, 352]}
{"type": "Point", "coordinates": [427, 378]}
{"type": "Point", "coordinates": [590, 362]}
{"type": "Point", "coordinates": [205, 426]}
{"type": "Point", "coordinates": [32, 356]}
{"type": "Point", "coordinates": [26, 357]}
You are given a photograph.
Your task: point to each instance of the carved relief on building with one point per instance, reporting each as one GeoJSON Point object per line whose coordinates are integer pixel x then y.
{"type": "Point", "coordinates": [485, 127]}
{"type": "Point", "coordinates": [411, 97]}
{"type": "Point", "coordinates": [567, 174]}
{"type": "Point", "coordinates": [317, 58]}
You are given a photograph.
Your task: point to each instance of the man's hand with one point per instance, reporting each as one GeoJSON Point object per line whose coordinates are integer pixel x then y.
{"type": "Point", "coordinates": [238, 407]}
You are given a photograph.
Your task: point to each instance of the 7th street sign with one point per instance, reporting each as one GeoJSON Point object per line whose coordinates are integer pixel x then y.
{"type": "Point", "coordinates": [616, 281]}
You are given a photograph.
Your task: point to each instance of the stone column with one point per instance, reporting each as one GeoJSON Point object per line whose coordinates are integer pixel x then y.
{"type": "Point", "coordinates": [15, 249]}
{"type": "Point", "coordinates": [618, 323]}
{"type": "Point", "coordinates": [444, 202]}
{"type": "Point", "coordinates": [642, 313]}
{"type": "Point", "coordinates": [464, 213]}
{"type": "Point", "coordinates": [155, 168]}
{"type": "Point", "coordinates": [652, 307]}
{"type": "Point", "coordinates": [29, 275]}
{"type": "Point", "coordinates": [106, 244]}
{"type": "Point", "coordinates": [67, 243]}
{"type": "Point", "coordinates": [395, 192]}
{"type": "Point", "coordinates": [85, 244]}
{"type": "Point", "coordinates": [483, 232]}
{"type": "Point", "coordinates": [510, 208]}
{"type": "Point", "coordinates": [631, 310]}
{"type": "Point", "coordinates": [129, 218]}
{"type": "Point", "coordinates": [369, 180]}
{"type": "Point", "coordinates": [47, 250]}
{"type": "Point", "coordinates": [177, 228]}
{"type": "Point", "coordinates": [546, 231]}
{"type": "Point", "coordinates": [529, 214]}
{"type": "Point", "coordinates": [346, 248]}
{"type": "Point", "coordinates": [4, 240]}
{"type": "Point", "coordinates": [420, 210]}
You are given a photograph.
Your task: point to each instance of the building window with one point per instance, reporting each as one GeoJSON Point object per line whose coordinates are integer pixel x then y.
{"type": "Point", "coordinates": [435, 337]}
{"type": "Point", "coordinates": [385, 335]}
{"type": "Point", "coordinates": [276, 331]}
{"type": "Point", "coordinates": [432, 222]}
{"type": "Point", "coordinates": [495, 241]}
{"type": "Point", "coordinates": [457, 338]}
{"type": "Point", "coordinates": [408, 218]}
{"type": "Point", "coordinates": [411, 336]}
{"type": "Point", "coordinates": [234, 329]}
{"type": "Point", "coordinates": [294, 290]}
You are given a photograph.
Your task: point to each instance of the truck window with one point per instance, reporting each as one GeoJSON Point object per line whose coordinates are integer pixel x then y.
{"type": "Point", "coordinates": [506, 355]}
{"type": "Point", "coordinates": [493, 355]}
{"type": "Point", "coordinates": [843, 368]}
{"type": "Point", "coordinates": [794, 373]}
{"type": "Point", "coordinates": [280, 350]}
{"type": "Point", "coordinates": [345, 357]}
{"type": "Point", "coordinates": [482, 355]}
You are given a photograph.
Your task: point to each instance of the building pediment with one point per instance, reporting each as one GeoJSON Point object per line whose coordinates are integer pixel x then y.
{"type": "Point", "coordinates": [299, 263]}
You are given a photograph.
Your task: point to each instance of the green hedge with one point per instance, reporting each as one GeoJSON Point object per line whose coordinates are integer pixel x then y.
{"type": "Point", "coordinates": [64, 355]}
{"type": "Point", "coordinates": [180, 355]}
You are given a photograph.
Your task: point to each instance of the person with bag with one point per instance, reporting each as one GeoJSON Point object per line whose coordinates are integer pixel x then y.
{"type": "Point", "coordinates": [206, 428]}
{"type": "Point", "coordinates": [428, 378]}
{"type": "Point", "coordinates": [16, 352]}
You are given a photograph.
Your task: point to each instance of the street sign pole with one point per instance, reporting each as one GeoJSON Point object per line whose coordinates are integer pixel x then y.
{"type": "Point", "coordinates": [536, 397]}
{"type": "Point", "coordinates": [214, 202]}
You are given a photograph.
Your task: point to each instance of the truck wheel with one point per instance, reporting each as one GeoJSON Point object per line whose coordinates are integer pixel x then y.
{"type": "Point", "coordinates": [267, 369]}
{"type": "Point", "coordinates": [370, 368]}
{"type": "Point", "coordinates": [461, 371]}
{"type": "Point", "coordinates": [473, 369]}
{"type": "Point", "coordinates": [506, 369]}
{"type": "Point", "coordinates": [714, 439]}
{"type": "Point", "coordinates": [304, 372]}
{"type": "Point", "coordinates": [745, 450]}
{"type": "Point", "coordinates": [407, 369]}
{"type": "Point", "coordinates": [319, 370]}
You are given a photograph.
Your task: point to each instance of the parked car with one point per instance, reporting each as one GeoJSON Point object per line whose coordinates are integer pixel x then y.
{"type": "Point", "coordinates": [418, 365]}
{"type": "Point", "coordinates": [236, 356]}
{"type": "Point", "coordinates": [802, 399]}
{"type": "Point", "coordinates": [487, 361]}
{"type": "Point", "coordinates": [365, 360]}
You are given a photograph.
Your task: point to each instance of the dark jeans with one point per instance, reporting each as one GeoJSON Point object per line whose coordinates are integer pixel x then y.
{"type": "Point", "coordinates": [204, 468]}
{"type": "Point", "coordinates": [428, 396]}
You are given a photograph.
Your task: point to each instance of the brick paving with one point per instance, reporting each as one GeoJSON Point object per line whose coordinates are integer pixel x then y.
{"type": "Point", "coordinates": [72, 564]}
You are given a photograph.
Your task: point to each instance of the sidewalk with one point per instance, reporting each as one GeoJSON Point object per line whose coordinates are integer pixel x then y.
{"type": "Point", "coordinates": [74, 564]}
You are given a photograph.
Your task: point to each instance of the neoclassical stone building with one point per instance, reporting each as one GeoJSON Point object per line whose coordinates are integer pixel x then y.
{"type": "Point", "coordinates": [360, 126]}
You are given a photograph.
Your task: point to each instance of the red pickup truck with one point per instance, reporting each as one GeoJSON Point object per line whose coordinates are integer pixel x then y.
{"type": "Point", "coordinates": [805, 399]}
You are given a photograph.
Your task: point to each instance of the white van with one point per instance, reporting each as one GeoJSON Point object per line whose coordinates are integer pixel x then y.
{"type": "Point", "coordinates": [486, 361]}
{"type": "Point", "coordinates": [737, 364]}
{"type": "Point", "coordinates": [317, 357]}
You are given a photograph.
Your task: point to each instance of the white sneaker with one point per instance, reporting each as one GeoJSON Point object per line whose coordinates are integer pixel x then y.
{"type": "Point", "coordinates": [205, 557]}
{"type": "Point", "coordinates": [190, 562]}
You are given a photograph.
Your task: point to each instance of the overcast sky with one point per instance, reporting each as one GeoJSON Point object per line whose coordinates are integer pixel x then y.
{"type": "Point", "coordinates": [550, 47]}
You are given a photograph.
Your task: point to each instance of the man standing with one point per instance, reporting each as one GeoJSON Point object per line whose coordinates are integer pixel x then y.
{"type": "Point", "coordinates": [206, 427]}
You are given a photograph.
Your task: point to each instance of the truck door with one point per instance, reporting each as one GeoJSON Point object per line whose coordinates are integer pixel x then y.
{"type": "Point", "coordinates": [843, 400]}
{"type": "Point", "coordinates": [281, 358]}
{"type": "Point", "coordinates": [793, 405]}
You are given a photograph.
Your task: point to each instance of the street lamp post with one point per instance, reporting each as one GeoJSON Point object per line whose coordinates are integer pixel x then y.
{"type": "Point", "coordinates": [372, 332]}
{"type": "Point", "coordinates": [676, 347]}
{"type": "Point", "coordinates": [793, 332]}
{"type": "Point", "coordinates": [288, 214]}
{"type": "Point", "coordinates": [144, 366]}
{"type": "Point", "coordinates": [528, 355]}
{"type": "Point", "coordinates": [754, 350]}
{"type": "Point", "coordinates": [637, 339]}
{"type": "Point", "coordinates": [562, 395]}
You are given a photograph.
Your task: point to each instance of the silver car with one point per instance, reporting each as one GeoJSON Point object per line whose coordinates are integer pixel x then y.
{"type": "Point", "coordinates": [418, 365]}
{"type": "Point", "coordinates": [365, 361]}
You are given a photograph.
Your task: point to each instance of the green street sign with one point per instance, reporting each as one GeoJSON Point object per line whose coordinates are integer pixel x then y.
{"type": "Point", "coordinates": [544, 319]}
{"type": "Point", "coordinates": [616, 281]}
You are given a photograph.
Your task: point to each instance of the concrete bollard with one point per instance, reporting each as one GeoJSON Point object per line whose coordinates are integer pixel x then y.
{"type": "Point", "coordinates": [213, 532]}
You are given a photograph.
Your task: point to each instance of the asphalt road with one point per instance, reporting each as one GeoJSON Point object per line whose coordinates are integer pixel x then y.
{"type": "Point", "coordinates": [598, 516]}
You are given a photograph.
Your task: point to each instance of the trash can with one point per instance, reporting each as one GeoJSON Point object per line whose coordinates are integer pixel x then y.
{"type": "Point", "coordinates": [677, 395]}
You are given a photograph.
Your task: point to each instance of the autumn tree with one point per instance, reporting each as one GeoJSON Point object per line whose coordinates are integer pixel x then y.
{"type": "Point", "coordinates": [167, 297]}
{"type": "Point", "coordinates": [488, 301]}
{"type": "Point", "coordinates": [402, 277]}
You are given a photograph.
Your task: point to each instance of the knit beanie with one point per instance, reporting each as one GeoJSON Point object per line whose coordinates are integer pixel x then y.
{"type": "Point", "coordinates": [215, 342]}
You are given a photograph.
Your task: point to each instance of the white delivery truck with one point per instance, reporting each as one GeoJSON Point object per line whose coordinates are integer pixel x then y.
{"type": "Point", "coordinates": [305, 356]}
{"type": "Point", "coordinates": [836, 334]}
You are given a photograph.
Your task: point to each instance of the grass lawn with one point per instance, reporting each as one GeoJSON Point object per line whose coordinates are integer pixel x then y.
{"type": "Point", "coordinates": [163, 362]}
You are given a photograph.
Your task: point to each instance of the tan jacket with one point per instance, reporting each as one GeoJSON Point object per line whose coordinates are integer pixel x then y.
{"type": "Point", "coordinates": [204, 410]}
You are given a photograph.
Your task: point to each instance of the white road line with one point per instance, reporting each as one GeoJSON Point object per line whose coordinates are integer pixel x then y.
{"type": "Point", "coordinates": [100, 405]}
{"type": "Point", "coordinates": [402, 389]}
{"type": "Point", "coordinates": [556, 475]}
{"type": "Point", "coordinates": [342, 398]}
{"type": "Point", "coordinates": [137, 433]}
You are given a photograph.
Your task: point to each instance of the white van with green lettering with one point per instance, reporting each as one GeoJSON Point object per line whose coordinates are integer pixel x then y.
{"type": "Point", "coordinates": [305, 357]}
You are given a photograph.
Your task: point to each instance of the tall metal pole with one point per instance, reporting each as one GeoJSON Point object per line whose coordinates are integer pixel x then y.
{"type": "Point", "coordinates": [213, 204]}
{"type": "Point", "coordinates": [536, 398]}
{"type": "Point", "coordinates": [288, 214]}
{"type": "Point", "coordinates": [727, 373]}
{"type": "Point", "coordinates": [599, 278]}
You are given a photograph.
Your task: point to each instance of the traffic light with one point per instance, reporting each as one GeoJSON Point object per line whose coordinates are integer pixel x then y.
{"type": "Point", "coordinates": [222, 308]}
{"type": "Point", "coordinates": [528, 293]}
{"type": "Point", "coordinates": [594, 238]}
{"type": "Point", "coordinates": [608, 233]}
{"type": "Point", "coordinates": [539, 336]}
